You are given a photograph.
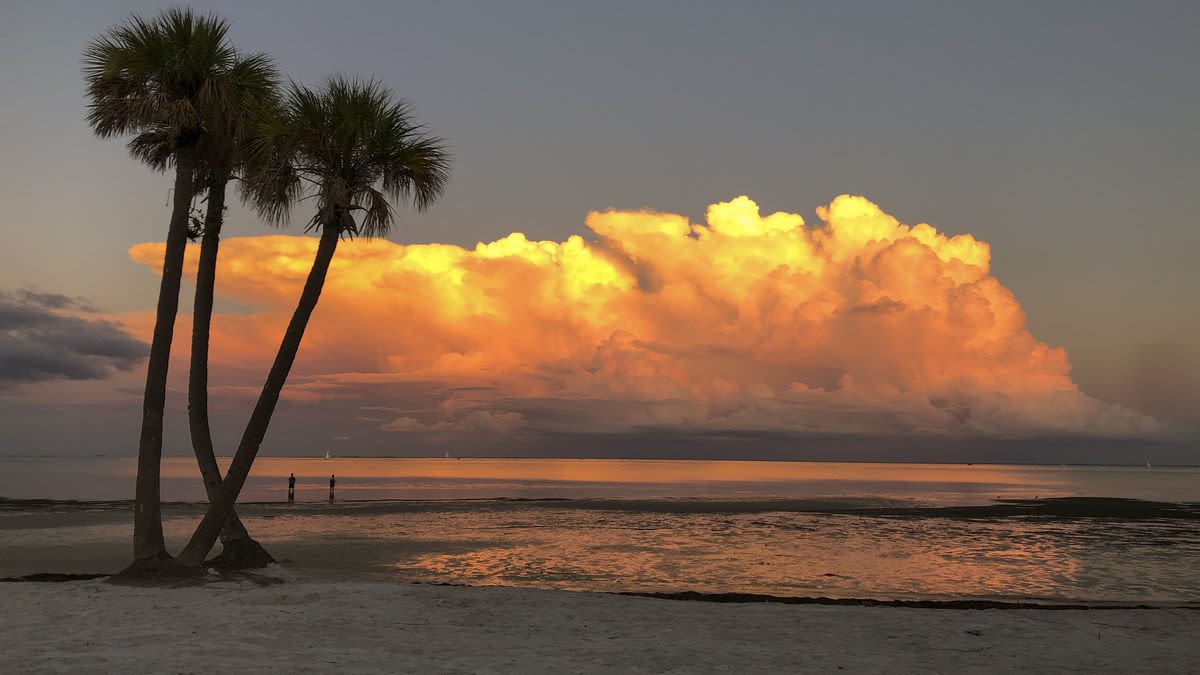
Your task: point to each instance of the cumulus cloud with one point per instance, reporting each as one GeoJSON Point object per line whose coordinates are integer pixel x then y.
{"type": "Point", "coordinates": [745, 323]}
{"type": "Point", "coordinates": [47, 336]}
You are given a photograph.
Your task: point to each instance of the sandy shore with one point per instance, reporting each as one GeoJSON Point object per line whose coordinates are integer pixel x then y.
{"type": "Point", "coordinates": [306, 626]}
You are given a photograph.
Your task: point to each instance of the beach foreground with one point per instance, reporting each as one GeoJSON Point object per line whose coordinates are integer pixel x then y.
{"type": "Point", "coordinates": [307, 626]}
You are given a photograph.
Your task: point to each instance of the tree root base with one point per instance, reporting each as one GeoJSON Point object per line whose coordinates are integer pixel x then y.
{"type": "Point", "coordinates": [161, 570]}
{"type": "Point", "coordinates": [241, 554]}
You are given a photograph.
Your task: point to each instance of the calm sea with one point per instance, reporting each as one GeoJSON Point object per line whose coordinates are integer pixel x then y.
{"type": "Point", "coordinates": [905, 531]}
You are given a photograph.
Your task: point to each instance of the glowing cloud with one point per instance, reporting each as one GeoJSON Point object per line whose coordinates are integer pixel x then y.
{"type": "Point", "coordinates": [860, 324]}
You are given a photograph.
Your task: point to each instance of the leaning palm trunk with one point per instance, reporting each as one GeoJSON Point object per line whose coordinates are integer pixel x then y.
{"type": "Point", "coordinates": [148, 548]}
{"type": "Point", "coordinates": [239, 549]}
{"type": "Point", "coordinates": [220, 509]}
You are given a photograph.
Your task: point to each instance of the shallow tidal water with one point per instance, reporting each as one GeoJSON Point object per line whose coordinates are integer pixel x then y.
{"type": "Point", "coordinates": [887, 531]}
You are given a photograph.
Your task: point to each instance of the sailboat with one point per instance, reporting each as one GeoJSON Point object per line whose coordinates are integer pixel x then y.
{"type": "Point", "coordinates": [447, 454]}
{"type": "Point", "coordinates": [327, 454]}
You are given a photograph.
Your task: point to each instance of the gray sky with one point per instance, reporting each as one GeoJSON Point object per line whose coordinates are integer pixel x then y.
{"type": "Point", "coordinates": [1064, 134]}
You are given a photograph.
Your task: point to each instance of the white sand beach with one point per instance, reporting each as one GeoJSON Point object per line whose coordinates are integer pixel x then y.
{"type": "Point", "coordinates": [304, 626]}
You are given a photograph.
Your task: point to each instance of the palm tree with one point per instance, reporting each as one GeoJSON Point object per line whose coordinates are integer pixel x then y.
{"type": "Point", "coordinates": [252, 80]}
{"type": "Point", "coordinates": [350, 146]}
{"type": "Point", "coordinates": [158, 79]}
{"type": "Point", "coordinates": [250, 85]}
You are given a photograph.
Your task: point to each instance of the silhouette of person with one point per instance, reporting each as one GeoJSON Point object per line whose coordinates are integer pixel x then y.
{"type": "Point", "coordinates": [332, 482]}
{"type": "Point", "coordinates": [292, 488]}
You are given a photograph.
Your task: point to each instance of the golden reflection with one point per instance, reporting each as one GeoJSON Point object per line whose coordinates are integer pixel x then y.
{"type": "Point", "coordinates": [776, 553]}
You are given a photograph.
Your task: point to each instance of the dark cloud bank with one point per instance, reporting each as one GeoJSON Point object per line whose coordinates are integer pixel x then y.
{"type": "Point", "coordinates": [42, 337]}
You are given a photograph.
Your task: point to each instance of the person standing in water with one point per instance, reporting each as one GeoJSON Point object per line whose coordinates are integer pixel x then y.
{"type": "Point", "coordinates": [292, 488]}
{"type": "Point", "coordinates": [332, 482]}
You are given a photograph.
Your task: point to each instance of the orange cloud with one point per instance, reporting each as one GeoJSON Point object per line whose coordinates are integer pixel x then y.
{"type": "Point", "coordinates": [859, 324]}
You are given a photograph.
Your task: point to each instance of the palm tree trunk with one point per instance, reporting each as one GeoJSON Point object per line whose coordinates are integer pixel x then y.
{"type": "Point", "coordinates": [149, 552]}
{"type": "Point", "coordinates": [240, 550]}
{"type": "Point", "coordinates": [256, 429]}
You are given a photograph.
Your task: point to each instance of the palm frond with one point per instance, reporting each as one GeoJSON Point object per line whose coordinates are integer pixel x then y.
{"type": "Point", "coordinates": [156, 73]}
{"type": "Point", "coordinates": [351, 145]}
{"type": "Point", "coordinates": [155, 147]}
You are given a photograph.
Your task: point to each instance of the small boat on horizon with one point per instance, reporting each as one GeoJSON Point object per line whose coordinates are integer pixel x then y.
{"type": "Point", "coordinates": [327, 455]}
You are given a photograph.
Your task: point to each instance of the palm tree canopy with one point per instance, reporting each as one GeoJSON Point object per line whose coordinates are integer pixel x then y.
{"type": "Point", "coordinates": [350, 145]}
{"type": "Point", "coordinates": [249, 90]}
{"type": "Point", "coordinates": [174, 81]}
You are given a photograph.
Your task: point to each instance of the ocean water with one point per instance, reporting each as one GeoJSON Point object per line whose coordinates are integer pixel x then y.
{"type": "Point", "coordinates": [888, 531]}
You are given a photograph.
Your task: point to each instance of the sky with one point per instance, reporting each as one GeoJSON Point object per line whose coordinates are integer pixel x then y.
{"type": "Point", "coordinates": [1046, 312]}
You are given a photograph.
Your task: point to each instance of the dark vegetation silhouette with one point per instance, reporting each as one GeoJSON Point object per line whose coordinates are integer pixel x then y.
{"type": "Point", "coordinates": [191, 101]}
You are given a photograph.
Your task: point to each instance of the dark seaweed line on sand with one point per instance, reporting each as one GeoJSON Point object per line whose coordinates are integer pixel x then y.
{"type": "Point", "coordinates": [747, 598]}
{"type": "Point", "coordinates": [51, 577]}
{"type": "Point", "coordinates": [742, 598]}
